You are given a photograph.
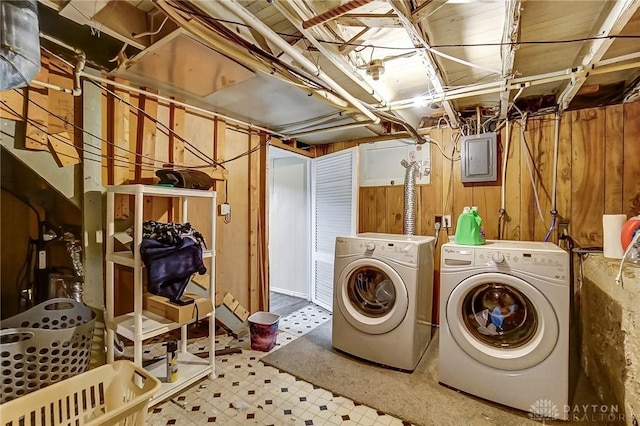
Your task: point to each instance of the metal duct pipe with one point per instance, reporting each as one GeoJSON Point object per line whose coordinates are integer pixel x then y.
{"type": "Point", "coordinates": [19, 43]}
{"type": "Point", "coordinates": [410, 196]}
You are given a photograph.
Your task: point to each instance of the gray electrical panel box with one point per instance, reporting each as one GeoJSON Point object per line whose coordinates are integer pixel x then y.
{"type": "Point", "coordinates": [479, 158]}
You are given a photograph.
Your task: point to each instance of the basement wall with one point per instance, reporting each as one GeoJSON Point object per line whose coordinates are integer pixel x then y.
{"type": "Point", "coordinates": [610, 326]}
{"type": "Point", "coordinates": [598, 173]}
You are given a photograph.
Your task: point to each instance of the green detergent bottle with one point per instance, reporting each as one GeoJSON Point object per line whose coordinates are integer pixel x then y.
{"type": "Point", "coordinates": [483, 238]}
{"type": "Point", "coordinates": [467, 229]}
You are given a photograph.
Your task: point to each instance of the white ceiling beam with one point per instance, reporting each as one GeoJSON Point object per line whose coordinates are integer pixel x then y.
{"type": "Point", "coordinates": [432, 68]}
{"type": "Point", "coordinates": [426, 9]}
{"type": "Point", "coordinates": [335, 58]}
{"type": "Point", "coordinates": [510, 35]}
{"type": "Point", "coordinates": [621, 12]}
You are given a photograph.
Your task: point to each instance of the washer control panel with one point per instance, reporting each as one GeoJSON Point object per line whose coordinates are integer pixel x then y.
{"type": "Point", "coordinates": [552, 263]}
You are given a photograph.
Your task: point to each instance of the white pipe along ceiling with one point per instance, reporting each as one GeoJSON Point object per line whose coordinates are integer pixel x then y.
{"type": "Point", "coordinates": [327, 71]}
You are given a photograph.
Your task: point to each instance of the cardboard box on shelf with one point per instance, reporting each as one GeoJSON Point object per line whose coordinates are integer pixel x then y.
{"type": "Point", "coordinates": [181, 314]}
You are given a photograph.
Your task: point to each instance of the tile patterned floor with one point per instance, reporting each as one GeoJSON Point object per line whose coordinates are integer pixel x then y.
{"type": "Point", "coordinates": [248, 392]}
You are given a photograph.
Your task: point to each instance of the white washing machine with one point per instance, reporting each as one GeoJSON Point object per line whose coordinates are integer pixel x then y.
{"type": "Point", "coordinates": [382, 299]}
{"type": "Point", "coordinates": [505, 322]}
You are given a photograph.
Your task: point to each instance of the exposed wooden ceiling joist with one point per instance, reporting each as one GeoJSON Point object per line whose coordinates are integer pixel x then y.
{"type": "Point", "coordinates": [433, 70]}
{"type": "Point", "coordinates": [335, 58]}
{"type": "Point", "coordinates": [613, 24]}
{"type": "Point", "coordinates": [334, 13]}
{"type": "Point", "coordinates": [510, 36]}
{"type": "Point", "coordinates": [353, 43]}
{"type": "Point", "coordinates": [370, 20]}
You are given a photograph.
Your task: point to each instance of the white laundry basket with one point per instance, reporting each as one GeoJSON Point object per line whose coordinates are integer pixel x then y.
{"type": "Point", "coordinates": [44, 345]}
{"type": "Point", "coordinates": [113, 394]}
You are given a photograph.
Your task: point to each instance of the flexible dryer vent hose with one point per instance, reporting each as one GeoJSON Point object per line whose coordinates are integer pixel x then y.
{"type": "Point", "coordinates": [410, 196]}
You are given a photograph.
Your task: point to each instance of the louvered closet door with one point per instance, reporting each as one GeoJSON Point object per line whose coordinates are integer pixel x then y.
{"type": "Point", "coordinates": [334, 203]}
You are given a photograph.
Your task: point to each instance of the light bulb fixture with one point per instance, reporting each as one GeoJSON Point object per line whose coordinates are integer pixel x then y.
{"type": "Point", "coordinates": [375, 68]}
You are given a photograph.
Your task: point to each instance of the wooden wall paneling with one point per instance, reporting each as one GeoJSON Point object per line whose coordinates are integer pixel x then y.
{"type": "Point", "coordinates": [564, 187]}
{"type": "Point", "coordinates": [447, 178]}
{"type": "Point", "coordinates": [588, 131]}
{"type": "Point", "coordinates": [136, 120]}
{"type": "Point", "coordinates": [433, 203]}
{"type": "Point", "coordinates": [219, 149]}
{"type": "Point", "coordinates": [18, 225]}
{"type": "Point", "coordinates": [199, 131]}
{"type": "Point", "coordinates": [107, 138]}
{"type": "Point", "coordinates": [614, 159]}
{"type": "Point", "coordinates": [232, 270]}
{"type": "Point", "coordinates": [543, 149]}
{"type": "Point", "coordinates": [367, 217]}
{"type": "Point", "coordinates": [372, 211]}
{"type": "Point", "coordinates": [176, 142]}
{"type": "Point", "coordinates": [425, 209]}
{"type": "Point", "coordinates": [319, 150]}
{"type": "Point", "coordinates": [437, 164]}
{"type": "Point", "coordinates": [158, 207]}
{"type": "Point", "coordinates": [36, 136]}
{"type": "Point", "coordinates": [219, 153]}
{"type": "Point", "coordinates": [61, 104]}
{"type": "Point", "coordinates": [511, 229]}
{"type": "Point", "coordinates": [13, 100]}
{"type": "Point", "coordinates": [63, 149]}
{"type": "Point", "coordinates": [528, 204]}
{"type": "Point", "coordinates": [254, 219]}
{"type": "Point", "coordinates": [530, 215]}
{"type": "Point", "coordinates": [462, 195]}
{"type": "Point", "coordinates": [631, 182]}
{"type": "Point", "coordinates": [263, 228]}
{"type": "Point", "coordinates": [64, 143]}
{"type": "Point", "coordinates": [146, 139]}
{"type": "Point", "coordinates": [486, 197]}
{"type": "Point", "coordinates": [395, 209]}
{"type": "Point", "coordinates": [121, 136]}
{"type": "Point", "coordinates": [177, 147]}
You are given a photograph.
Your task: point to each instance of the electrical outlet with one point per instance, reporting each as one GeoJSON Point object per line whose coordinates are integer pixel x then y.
{"type": "Point", "coordinates": [437, 219]}
{"type": "Point", "coordinates": [447, 221]}
{"type": "Point", "coordinates": [225, 209]}
{"type": "Point", "coordinates": [563, 228]}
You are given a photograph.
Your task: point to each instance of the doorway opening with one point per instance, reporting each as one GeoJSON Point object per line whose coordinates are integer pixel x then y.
{"type": "Point", "coordinates": [289, 231]}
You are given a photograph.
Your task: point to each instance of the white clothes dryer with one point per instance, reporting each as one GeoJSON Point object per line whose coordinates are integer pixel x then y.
{"type": "Point", "coordinates": [383, 294]}
{"type": "Point", "coordinates": [505, 322]}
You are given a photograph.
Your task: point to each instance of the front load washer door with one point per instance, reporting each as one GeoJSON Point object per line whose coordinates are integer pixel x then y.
{"type": "Point", "coordinates": [502, 321]}
{"type": "Point", "coordinates": [371, 296]}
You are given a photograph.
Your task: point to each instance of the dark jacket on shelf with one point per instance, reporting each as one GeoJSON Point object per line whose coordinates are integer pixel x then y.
{"type": "Point", "coordinates": [171, 265]}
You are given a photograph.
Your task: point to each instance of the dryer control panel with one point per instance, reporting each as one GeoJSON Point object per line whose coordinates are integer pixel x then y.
{"type": "Point", "coordinates": [384, 247]}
